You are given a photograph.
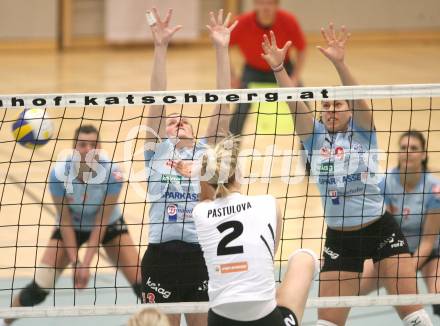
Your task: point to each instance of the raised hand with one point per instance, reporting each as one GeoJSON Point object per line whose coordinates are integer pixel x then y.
{"type": "Point", "coordinates": [335, 49]}
{"type": "Point", "coordinates": [162, 32]}
{"type": "Point", "coordinates": [184, 168]}
{"type": "Point", "coordinates": [219, 30]}
{"type": "Point", "coordinates": [273, 55]}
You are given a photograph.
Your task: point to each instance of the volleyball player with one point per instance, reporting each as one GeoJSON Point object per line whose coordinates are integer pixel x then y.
{"type": "Point", "coordinates": [352, 201]}
{"type": "Point", "coordinates": [412, 196]}
{"type": "Point", "coordinates": [239, 236]}
{"type": "Point", "coordinates": [173, 268]}
{"type": "Point", "coordinates": [85, 188]}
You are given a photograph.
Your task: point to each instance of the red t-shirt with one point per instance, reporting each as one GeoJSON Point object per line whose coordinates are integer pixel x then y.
{"type": "Point", "coordinates": [248, 35]}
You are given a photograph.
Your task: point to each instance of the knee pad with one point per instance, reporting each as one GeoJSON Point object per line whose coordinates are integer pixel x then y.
{"type": "Point", "coordinates": [137, 289]}
{"type": "Point", "coordinates": [32, 295]}
{"type": "Point", "coordinates": [419, 317]}
{"type": "Point", "coordinates": [436, 309]}
{"type": "Point", "coordinates": [311, 253]}
{"type": "Point", "coordinates": [325, 323]}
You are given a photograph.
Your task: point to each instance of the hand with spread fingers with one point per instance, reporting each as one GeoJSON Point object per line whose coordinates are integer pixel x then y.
{"type": "Point", "coordinates": [336, 41]}
{"type": "Point", "coordinates": [219, 30]}
{"type": "Point", "coordinates": [273, 55]}
{"type": "Point", "coordinates": [161, 29]}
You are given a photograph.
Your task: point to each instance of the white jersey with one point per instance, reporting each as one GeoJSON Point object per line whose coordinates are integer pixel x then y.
{"type": "Point", "coordinates": [237, 236]}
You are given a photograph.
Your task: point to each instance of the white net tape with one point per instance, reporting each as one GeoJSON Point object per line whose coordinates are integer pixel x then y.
{"type": "Point", "coordinates": [221, 96]}
{"type": "Point", "coordinates": [198, 307]}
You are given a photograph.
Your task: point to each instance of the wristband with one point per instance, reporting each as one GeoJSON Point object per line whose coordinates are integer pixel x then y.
{"type": "Point", "coordinates": [279, 68]}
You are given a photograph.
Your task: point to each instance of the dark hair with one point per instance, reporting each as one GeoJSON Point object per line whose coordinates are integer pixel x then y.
{"type": "Point", "coordinates": [416, 134]}
{"type": "Point", "coordinates": [86, 129]}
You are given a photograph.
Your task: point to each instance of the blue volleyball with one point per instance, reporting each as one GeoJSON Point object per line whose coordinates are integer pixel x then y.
{"type": "Point", "coordinates": [33, 128]}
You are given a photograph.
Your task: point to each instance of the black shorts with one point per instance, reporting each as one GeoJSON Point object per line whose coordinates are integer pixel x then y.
{"type": "Point", "coordinates": [280, 316]}
{"type": "Point", "coordinates": [113, 230]}
{"type": "Point", "coordinates": [347, 250]}
{"type": "Point", "coordinates": [174, 271]}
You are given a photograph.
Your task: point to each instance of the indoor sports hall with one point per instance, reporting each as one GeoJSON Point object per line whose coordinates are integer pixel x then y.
{"type": "Point", "coordinates": [89, 62]}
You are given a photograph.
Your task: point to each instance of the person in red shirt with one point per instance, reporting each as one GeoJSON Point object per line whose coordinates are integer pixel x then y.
{"type": "Point", "coordinates": [248, 36]}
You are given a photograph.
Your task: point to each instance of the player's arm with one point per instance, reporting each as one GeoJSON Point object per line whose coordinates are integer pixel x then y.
{"type": "Point", "coordinates": [59, 197]}
{"type": "Point", "coordinates": [296, 33]}
{"type": "Point", "coordinates": [66, 228]}
{"type": "Point", "coordinates": [162, 35]}
{"type": "Point", "coordinates": [99, 230]}
{"type": "Point", "coordinates": [431, 229]}
{"type": "Point", "coordinates": [300, 59]}
{"type": "Point", "coordinates": [274, 56]}
{"type": "Point", "coordinates": [220, 33]}
{"type": "Point", "coordinates": [96, 237]}
{"type": "Point", "coordinates": [335, 52]}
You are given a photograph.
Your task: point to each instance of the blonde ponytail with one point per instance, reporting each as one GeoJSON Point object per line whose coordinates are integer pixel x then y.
{"type": "Point", "coordinates": [222, 165]}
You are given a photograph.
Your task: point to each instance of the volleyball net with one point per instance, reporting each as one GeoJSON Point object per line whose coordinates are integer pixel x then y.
{"type": "Point", "coordinates": [272, 162]}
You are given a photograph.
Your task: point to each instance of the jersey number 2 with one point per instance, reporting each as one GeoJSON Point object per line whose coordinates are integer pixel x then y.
{"type": "Point", "coordinates": [237, 230]}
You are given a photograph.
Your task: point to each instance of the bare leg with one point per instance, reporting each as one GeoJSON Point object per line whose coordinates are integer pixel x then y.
{"type": "Point", "coordinates": [54, 256]}
{"type": "Point", "coordinates": [431, 273]}
{"type": "Point", "coordinates": [196, 319]}
{"type": "Point", "coordinates": [334, 284]}
{"type": "Point", "coordinates": [124, 255]}
{"type": "Point", "coordinates": [294, 289]}
{"type": "Point", "coordinates": [174, 319]}
{"type": "Point", "coordinates": [398, 274]}
{"type": "Point", "coordinates": [370, 278]}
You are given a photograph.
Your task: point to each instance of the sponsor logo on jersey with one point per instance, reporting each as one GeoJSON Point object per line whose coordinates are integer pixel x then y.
{"type": "Point", "coordinates": [333, 194]}
{"type": "Point", "coordinates": [156, 287]}
{"type": "Point", "coordinates": [357, 147]}
{"type": "Point", "coordinates": [325, 152]}
{"type": "Point", "coordinates": [171, 178]}
{"type": "Point", "coordinates": [151, 297]}
{"type": "Point", "coordinates": [339, 153]}
{"type": "Point", "coordinates": [333, 255]}
{"type": "Point", "coordinates": [176, 195]}
{"type": "Point", "coordinates": [327, 167]}
{"type": "Point", "coordinates": [172, 213]}
{"type": "Point", "coordinates": [229, 210]}
{"type": "Point", "coordinates": [340, 179]}
{"type": "Point", "coordinates": [354, 191]}
{"type": "Point", "coordinates": [241, 266]}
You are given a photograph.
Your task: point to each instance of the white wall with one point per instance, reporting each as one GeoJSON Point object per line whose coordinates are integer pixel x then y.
{"type": "Point", "coordinates": [28, 19]}
{"type": "Point", "coordinates": [367, 15]}
{"type": "Point", "coordinates": [38, 19]}
{"type": "Point", "coordinates": [125, 21]}
{"type": "Point", "coordinates": [88, 17]}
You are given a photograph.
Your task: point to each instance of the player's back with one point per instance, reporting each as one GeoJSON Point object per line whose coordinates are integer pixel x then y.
{"type": "Point", "coordinates": [237, 235]}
